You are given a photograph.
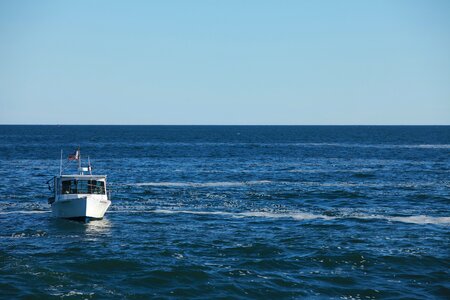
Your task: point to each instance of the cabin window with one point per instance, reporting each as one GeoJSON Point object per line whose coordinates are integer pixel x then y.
{"type": "Point", "coordinates": [75, 186]}
{"type": "Point", "coordinates": [96, 187]}
{"type": "Point", "coordinates": [66, 187]}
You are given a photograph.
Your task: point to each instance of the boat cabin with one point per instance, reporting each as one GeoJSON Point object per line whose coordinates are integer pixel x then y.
{"type": "Point", "coordinates": [69, 186]}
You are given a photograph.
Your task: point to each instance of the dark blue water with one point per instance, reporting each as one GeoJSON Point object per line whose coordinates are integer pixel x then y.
{"type": "Point", "coordinates": [232, 212]}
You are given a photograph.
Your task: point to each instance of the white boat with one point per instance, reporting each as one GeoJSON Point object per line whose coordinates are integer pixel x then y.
{"type": "Point", "coordinates": [79, 196]}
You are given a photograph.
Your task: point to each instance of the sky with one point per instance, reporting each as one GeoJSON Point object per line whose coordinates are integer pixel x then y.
{"type": "Point", "coordinates": [225, 62]}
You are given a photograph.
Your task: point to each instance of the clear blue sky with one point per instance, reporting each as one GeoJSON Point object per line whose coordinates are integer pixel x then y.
{"type": "Point", "coordinates": [225, 62]}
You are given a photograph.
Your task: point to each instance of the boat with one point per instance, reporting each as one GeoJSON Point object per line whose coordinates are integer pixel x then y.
{"type": "Point", "coordinates": [81, 196]}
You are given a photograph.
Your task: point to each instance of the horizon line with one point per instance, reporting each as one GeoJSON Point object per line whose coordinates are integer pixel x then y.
{"type": "Point", "coordinates": [56, 124]}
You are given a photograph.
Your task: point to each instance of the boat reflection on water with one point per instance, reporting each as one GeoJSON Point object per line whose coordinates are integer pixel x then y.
{"type": "Point", "coordinates": [76, 229]}
{"type": "Point", "coordinates": [96, 227]}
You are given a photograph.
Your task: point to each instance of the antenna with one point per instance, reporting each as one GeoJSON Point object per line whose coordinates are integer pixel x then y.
{"type": "Point", "coordinates": [89, 166]}
{"type": "Point", "coordinates": [79, 161]}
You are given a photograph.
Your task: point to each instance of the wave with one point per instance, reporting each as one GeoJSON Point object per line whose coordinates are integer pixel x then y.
{"type": "Point", "coordinates": [290, 144]}
{"type": "Point", "coordinates": [248, 214]}
{"type": "Point", "coordinates": [201, 184]}
{"type": "Point", "coordinates": [295, 216]}
{"type": "Point", "coordinates": [380, 146]}
{"type": "Point", "coordinates": [419, 219]}
{"type": "Point", "coordinates": [296, 183]}
{"type": "Point", "coordinates": [24, 212]}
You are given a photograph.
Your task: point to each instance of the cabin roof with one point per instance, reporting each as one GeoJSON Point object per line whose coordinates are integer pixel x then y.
{"type": "Point", "coordinates": [82, 176]}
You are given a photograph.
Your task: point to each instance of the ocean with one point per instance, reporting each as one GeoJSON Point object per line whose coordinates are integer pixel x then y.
{"type": "Point", "coordinates": [231, 212]}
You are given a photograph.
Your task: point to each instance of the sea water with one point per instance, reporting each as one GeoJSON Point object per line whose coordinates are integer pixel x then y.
{"type": "Point", "coordinates": [242, 212]}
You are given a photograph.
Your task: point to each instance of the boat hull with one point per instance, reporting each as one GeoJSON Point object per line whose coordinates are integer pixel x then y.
{"type": "Point", "coordinates": [81, 208]}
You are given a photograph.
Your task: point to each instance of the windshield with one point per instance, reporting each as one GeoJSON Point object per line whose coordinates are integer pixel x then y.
{"type": "Point", "coordinates": [75, 186]}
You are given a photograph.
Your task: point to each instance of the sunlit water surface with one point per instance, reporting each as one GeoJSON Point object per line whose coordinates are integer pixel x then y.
{"type": "Point", "coordinates": [232, 212]}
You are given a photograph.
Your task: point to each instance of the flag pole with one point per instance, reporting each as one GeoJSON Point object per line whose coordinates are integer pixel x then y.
{"type": "Point", "coordinates": [60, 164]}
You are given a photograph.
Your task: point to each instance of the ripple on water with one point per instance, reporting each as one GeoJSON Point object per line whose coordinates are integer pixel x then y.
{"type": "Point", "coordinates": [203, 212]}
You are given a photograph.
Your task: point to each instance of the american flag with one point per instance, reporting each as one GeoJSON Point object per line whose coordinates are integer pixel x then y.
{"type": "Point", "coordinates": [75, 156]}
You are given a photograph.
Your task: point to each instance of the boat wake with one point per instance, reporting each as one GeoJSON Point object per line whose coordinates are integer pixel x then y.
{"type": "Point", "coordinates": [25, 212]}
{"type": "Point", "coordinates": [257, 214]}
{"type": "Point", "coordinates": [419, 219]}
{"type": "Point", "coordinates": [201, 184]}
